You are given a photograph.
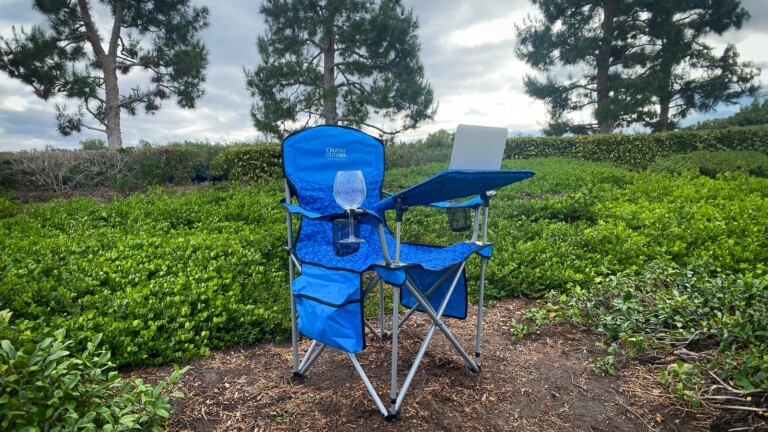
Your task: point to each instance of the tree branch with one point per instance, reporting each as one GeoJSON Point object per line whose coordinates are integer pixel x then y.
{"type": "Point", "coordinates": [91, 32]}
{"type": "Point", "coordinates": [116, 26]}
{"type": "Point", "coordinates": [92, 113]}
{"type": "Point", "coordinates": [93, 128]}
{"type": "Point", "coordinates": [126, 65]}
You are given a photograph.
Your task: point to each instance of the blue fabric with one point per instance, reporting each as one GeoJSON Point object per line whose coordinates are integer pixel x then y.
{"type": "Point", "coordinates": [453, 184]}
{"type": "Point", "coordinates": [330, 307]}
{"type": "Point", "coordinates": [364, 215]}
{"type": "Point", "coordinates": [328, 293]}
{"type": "Point", "coordinates": [474, 202]}
{"type": "Point", "coordinates": [424, 279]}
{"type": "Point", "coordinates": [311, 158]}
{"type": "Point", "coordinates": [485, 251]}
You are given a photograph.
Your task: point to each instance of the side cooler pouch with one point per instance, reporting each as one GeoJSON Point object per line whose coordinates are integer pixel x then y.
{"type": "Point", "coordinates": [330, 307]}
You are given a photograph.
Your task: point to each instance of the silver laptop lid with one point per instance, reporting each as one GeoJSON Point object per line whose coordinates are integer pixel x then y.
{"type": "Point", "coordinates": [478, 147]}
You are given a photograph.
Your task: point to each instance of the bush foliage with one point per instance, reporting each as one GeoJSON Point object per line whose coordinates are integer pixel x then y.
{"type": "Point", "coordinates": [167, 277]}
{"type": "Point", "coordinates": [253, 163]}
{"type": "Point", "coordinates": [755, 113]}
{"type": "Point", "coordinates": [47, 386]}
{"type": "Point", "coordinates": [712, 164]}
{"type": "Point", "coordinates": [638, 150]}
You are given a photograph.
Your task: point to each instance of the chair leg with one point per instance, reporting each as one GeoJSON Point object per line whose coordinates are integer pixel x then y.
{"type": "Point", "coordinates": [480, 292]}
{"type": "Point", "coordinates": [395, 330]}
{"type": "Point", "coordinates": [294, 325]}
{"type": "Point", "coordinates": [368, 386]}
{"type": "Point", "coordinates": [437, 323]}
{"type": "Point", "coordinates": [310, 357]}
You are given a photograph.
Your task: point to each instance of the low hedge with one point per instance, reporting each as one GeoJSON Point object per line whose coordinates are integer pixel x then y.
{"type": "Point", "coordinates": [199, 162]}
{"type": "Point", "coordinates": [173, 164]}
{"type": "Point", "coordinates": [638, 150]}
{"type": "Point", "coordinates": [251, 163]}
{"type": "Point", "coordinates": [713, 164]}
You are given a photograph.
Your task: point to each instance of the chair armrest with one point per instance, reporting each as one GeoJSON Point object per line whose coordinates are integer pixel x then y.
{"type": "Point", "coordinates": [471, 203]}
{"type": "Point", "coordinates": [364, 215]}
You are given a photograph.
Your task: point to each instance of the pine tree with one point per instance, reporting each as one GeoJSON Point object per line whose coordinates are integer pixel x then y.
{"type": "Point", "coordinates": [642, 61]}
{"type": "Point", "coordinates": [71, 57]}
{"type": "Point", "coordinates": [683, 72]}
{"type": "Point", "coordinates": [347, 62]}
{"type": "Point", "coordinates": [596, 35]}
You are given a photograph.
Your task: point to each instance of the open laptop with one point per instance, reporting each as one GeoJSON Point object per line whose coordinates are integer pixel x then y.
{"type": "Point", "coordinates": [478, 147]}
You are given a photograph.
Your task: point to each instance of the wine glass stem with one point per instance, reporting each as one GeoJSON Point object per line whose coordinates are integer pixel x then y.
{"type": "Point", "coordinates": [351, 227]}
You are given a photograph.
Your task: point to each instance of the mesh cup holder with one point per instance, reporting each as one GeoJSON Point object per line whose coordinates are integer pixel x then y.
{"type": "Point", "coordinates": [340, 232]}
{"type": "Point", "coordinates": [459, 218]}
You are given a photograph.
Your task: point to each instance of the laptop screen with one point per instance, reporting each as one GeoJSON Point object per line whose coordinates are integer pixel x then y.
{"type": "Point", "coordinates": [478, 147]}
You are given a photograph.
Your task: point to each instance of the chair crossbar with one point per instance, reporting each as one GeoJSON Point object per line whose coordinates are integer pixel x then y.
{"type": "Point", "coordinates": [312, 354]}
{"type": "Point", "coordinates": [438, 321]}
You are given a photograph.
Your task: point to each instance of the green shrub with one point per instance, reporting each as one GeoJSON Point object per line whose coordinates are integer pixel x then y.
{"type": "Point", "coordinates": [436, 147]}
{"type": "Point", "coordinates": [93, 144]}
{"type": "Point", "coordinates": [712, 164]}
{"type": "Point", "coordinates": [178, 163]}
{"type": "Point", "coordinates": [663, 305]}
{"type": "Point", "coordinates": [638, 150]}
{"type": "Point", "coordinates": [251, 163]}
{"type": "Point", "coordinates": [755, 113]}
{"type": "Point", "coordinates": [165, 277]}
{"type": "Point", "coordinates": [9, 206]}
{"type": "Point", "coordinates": [47, 386]}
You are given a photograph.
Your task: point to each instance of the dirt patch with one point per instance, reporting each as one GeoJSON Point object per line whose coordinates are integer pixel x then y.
{"type": "Point", "coordinates": [543, 382]}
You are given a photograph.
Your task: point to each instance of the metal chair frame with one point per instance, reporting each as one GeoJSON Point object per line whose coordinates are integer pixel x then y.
{"type": "Point", "coordinates": [397, 395]}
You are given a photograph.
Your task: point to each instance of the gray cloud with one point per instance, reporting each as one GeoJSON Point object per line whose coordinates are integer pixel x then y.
{"type": "Point", "coordinates": [479, 81]}
{"type": "Point", "coordinates": [758, 11]}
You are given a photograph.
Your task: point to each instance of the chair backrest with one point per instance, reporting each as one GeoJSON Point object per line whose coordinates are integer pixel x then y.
{"type": "Point", "coordinates": [311, 158]}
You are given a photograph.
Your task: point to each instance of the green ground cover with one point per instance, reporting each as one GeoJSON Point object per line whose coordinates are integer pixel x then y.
{"type": "Point", "coordinates": [646, 258]}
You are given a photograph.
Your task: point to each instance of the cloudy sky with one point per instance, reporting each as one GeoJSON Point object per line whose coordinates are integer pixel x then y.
{"type": "Point", "coordinates": [467, 52]}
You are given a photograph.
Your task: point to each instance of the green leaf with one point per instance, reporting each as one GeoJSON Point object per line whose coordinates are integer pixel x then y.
{"type": "Point", "coordinates": [56, 355]}
{"type": "Point", "coordinates": [9, 349]}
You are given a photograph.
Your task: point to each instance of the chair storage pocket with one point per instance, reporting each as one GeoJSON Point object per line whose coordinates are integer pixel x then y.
{"type": "Point", "coordinates": [330, 307]}
{"type": "Point", "coordinates": [459, 218]}
{"type": "Point", "coordinates": [425, 279]}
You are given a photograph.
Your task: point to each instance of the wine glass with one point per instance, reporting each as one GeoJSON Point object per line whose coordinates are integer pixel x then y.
{"type": "Point", "coordinates": [349, 193]}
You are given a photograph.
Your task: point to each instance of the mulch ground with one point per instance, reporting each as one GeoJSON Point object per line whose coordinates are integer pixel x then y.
{"type": "Point", "coordinates": [543, 382]}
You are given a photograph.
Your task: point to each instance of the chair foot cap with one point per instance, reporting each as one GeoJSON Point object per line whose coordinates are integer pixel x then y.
{"type": "Point", "coordinates": [391, 417]}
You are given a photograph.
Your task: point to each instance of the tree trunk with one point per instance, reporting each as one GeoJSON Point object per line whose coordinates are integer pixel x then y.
{"type": "Point", "coordinates": [112, 118]}
{"type": "Point", "coordinates": [664, 92]}
{"type": "Point", "coordinates": [106, 62]}
{"type": "Point", "coordinates": [663, 123]}
{"type": "Point", "coordinates": [603, 115]}
{"type": "Point", "coordinates": [664, 95]}
{"type": "Point", "coordinates": [329, 71]}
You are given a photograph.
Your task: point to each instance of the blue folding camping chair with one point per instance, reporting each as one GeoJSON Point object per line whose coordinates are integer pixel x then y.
{"type": "Point", "coordinates": [327, 298]}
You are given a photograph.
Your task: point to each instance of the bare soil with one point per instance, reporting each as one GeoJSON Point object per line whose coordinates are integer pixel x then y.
{"type": "Point", "coordinates": [543, 382]}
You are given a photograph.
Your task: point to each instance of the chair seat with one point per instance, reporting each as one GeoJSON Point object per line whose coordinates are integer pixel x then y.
{"type": "Point", "coordinates": [370, 254]}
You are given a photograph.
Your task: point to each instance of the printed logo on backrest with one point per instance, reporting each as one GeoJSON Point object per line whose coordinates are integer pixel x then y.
{"type": "Point", "coordinates": [335, 153]}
